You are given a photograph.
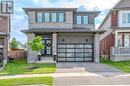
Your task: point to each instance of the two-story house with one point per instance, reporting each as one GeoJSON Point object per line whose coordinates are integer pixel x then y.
{"type": "Point", "coordinates": [68, 35]}
{"type": "Point", "coordinates": [115, 42]}
{"type": "Point", "coordinates": [4, 35]}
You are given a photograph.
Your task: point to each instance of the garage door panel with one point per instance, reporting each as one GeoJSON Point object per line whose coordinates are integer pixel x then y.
{"type": "Point", "coordinates": [88, 59]}
{"type": "Point", "coordinates": [70, 46]}
{"type": "Point", "coordinates": [62, 50]}
{"type": "Point", "coordinates": [79, 59]}
{"type": "Point", "coordinates": [62, 55]}
{"type": "Point", "coordinates": [75, 52]}
{"type": "Point", "coordinates": [69, 50]}
{"type": "Point", "coordinates": [70, 59]}
{"type": "Point", "coordinates": [79, 50]}
{"type": "Point", "coordinates": [80, 55]}
{"type": "Point", "coordinates": [61, 59]}
{"type": "Point", "coordinates": [70, 55]}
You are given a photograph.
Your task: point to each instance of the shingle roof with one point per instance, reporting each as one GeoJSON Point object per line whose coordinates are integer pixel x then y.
{"type": "Point", "coordinates": [122, 4]}
{"type": "Point", "coordinates": [59, 9]}
{"type": "Point", "coordinates": [63, 30]}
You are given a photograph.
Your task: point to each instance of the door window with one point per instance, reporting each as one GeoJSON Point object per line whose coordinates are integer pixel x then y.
{"type": "Point", "coordinates": [127, 40]}
{"type": "Point", "coordinates": [120, 40]}
{"type": "Point", "coordinates": [47, 49]}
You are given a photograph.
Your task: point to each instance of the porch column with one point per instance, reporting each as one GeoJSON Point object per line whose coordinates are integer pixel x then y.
{"type": "Point", "coordinates": [31, 55]}
{"type": "Point", "coordinates": [54, 45]}
{"type": "Point", "coordinates": [116, 39]}
{"type": "Point", "coordinates": [5, 49]}
{"type": "Point", "coordinates": [96, 47]}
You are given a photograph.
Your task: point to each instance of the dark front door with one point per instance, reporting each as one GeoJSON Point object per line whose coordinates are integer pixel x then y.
{"type": "Point", "coordinates": [47, 47]}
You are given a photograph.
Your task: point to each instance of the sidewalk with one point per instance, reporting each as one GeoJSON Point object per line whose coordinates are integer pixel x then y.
{"type": "Point", "coordinates": [63, 75]}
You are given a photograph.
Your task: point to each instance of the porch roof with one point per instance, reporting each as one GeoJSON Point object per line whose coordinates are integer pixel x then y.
{"type": "Point", "coordinates": [63, 30]}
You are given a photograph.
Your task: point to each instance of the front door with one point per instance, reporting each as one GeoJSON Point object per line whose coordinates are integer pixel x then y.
{"type": "Point", "coordinates": [47, 47]}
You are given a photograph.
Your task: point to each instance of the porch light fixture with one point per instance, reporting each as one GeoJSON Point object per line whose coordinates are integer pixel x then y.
{"type": "Point", "coordinates": [63, 40]}
{"type": "Point", "coordinates": [86, 40]}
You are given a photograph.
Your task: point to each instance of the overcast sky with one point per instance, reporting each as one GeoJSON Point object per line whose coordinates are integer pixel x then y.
{"type": "Point", "coordinates": [19, 19]}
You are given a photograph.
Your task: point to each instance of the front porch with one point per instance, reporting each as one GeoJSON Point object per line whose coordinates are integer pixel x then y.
{"type": "Point", "coordinates": [120, 53]}
{"type": "Point", "coordinates": [47, 59]}
{"type": "Point", "coordinates": [49, 52]}
{"type": "Point", "coordinates": [121, 50]}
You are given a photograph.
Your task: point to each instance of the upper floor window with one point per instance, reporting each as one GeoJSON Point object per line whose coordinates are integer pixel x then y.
{"type": "Point", "coordinates": [50, 17]}
{"type": "Point", "coordinates": [39, 17]}
{"type": "Point", "coordinates": [54, 17]}
{"type": "Point", "coordinates": [61, 17]}
{"type": "Point", "coordinates": [85, 19]}
{"type": "Point", "coordinates": [124, 18]}
{"type": "Point", "coordinates": [47, 17]}
{"type": "Point", "coordinates": [82, 20]}
{"type": "Point", "coordinates": [79, 20]}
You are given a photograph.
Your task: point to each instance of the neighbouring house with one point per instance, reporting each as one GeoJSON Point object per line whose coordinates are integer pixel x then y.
{"type": "Point", "coordinates": [68, 35]}
{"type": "Point", "coordinates": [4, 34]}
{"type": "Point", "coordinates": [115, 42]}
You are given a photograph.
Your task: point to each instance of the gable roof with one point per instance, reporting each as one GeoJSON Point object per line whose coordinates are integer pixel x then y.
{"type": "Point", "coordinates": [122, 4]}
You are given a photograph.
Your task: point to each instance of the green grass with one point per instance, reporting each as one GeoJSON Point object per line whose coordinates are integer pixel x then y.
{"type": "Point", "coordinates": [122, 65]}
{"type": "Point", "coordinates": [21, 67]}
{"type": "Point", "coordinates": [26, 81]}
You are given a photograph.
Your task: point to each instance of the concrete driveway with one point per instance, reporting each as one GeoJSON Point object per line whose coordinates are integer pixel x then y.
{"type": "Point", "coordinates": [86, 67]}
{"type": "Point", "coordinates": [88, 74]}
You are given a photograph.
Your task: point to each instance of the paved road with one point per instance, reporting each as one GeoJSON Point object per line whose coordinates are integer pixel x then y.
{"type": "Point", "coordinates": [91, 74]}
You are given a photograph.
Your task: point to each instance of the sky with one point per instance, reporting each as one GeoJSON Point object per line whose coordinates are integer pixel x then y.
{"type": "Point", "coordinates": [19, 20]}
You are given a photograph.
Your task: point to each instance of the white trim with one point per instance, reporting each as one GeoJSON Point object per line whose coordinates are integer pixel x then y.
{"type": "Point", "coordinates": [54, 43]}
{"type": "Point", "coordinates": [1, 46]}
{"type": "Point", "coordinates": [122, 31]}
{"type": "Point", "coordinates": [116, 39]}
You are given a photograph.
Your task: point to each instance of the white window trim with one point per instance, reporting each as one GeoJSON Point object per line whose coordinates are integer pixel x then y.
{"type": "Point", "coordinates": [121, 20]}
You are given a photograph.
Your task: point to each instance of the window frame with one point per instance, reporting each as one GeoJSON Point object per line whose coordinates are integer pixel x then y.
{"type": "Point", "coordinates": [62, 16]}
{"type": "Point", "coordinates": [77, 19]}
{"type": "Point", "coordinates": [82, 20]}
{"type": "Point", "coordinates": [46, 17]}
{"type": "Point", "coordinates": [123, 22]}
{"type": "Point", "coordinates": [50, 20]}
{"type": "Point", "coordinates": [38, 18]}
{"type": "Point", "coordinates": [53, 16]}
{"type": "Point", "coordinates": [128, 40]}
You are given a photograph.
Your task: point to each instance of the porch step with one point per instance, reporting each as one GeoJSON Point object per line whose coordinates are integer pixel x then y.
{"type": "Point", "coordinates": [47, 60]}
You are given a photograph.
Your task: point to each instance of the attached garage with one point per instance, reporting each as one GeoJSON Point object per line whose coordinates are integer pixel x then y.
{"type": "Point", "coordinates": [75, 48]}
{"type": "Point", "coordinates": [75, 52]}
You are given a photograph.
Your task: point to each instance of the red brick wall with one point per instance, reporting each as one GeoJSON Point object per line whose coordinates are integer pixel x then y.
{"type": "Point", "coordinates": [4, 24]}
{"type": "Point", "coordinates": [106, 44]}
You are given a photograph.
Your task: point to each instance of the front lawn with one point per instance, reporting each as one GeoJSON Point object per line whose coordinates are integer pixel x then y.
{"type": "Point", "coordinates": [122, 65]}
{"type": "Point", "coordinates": [21, 67]}
{"type": "Point", "coordinates": [26, 81]}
